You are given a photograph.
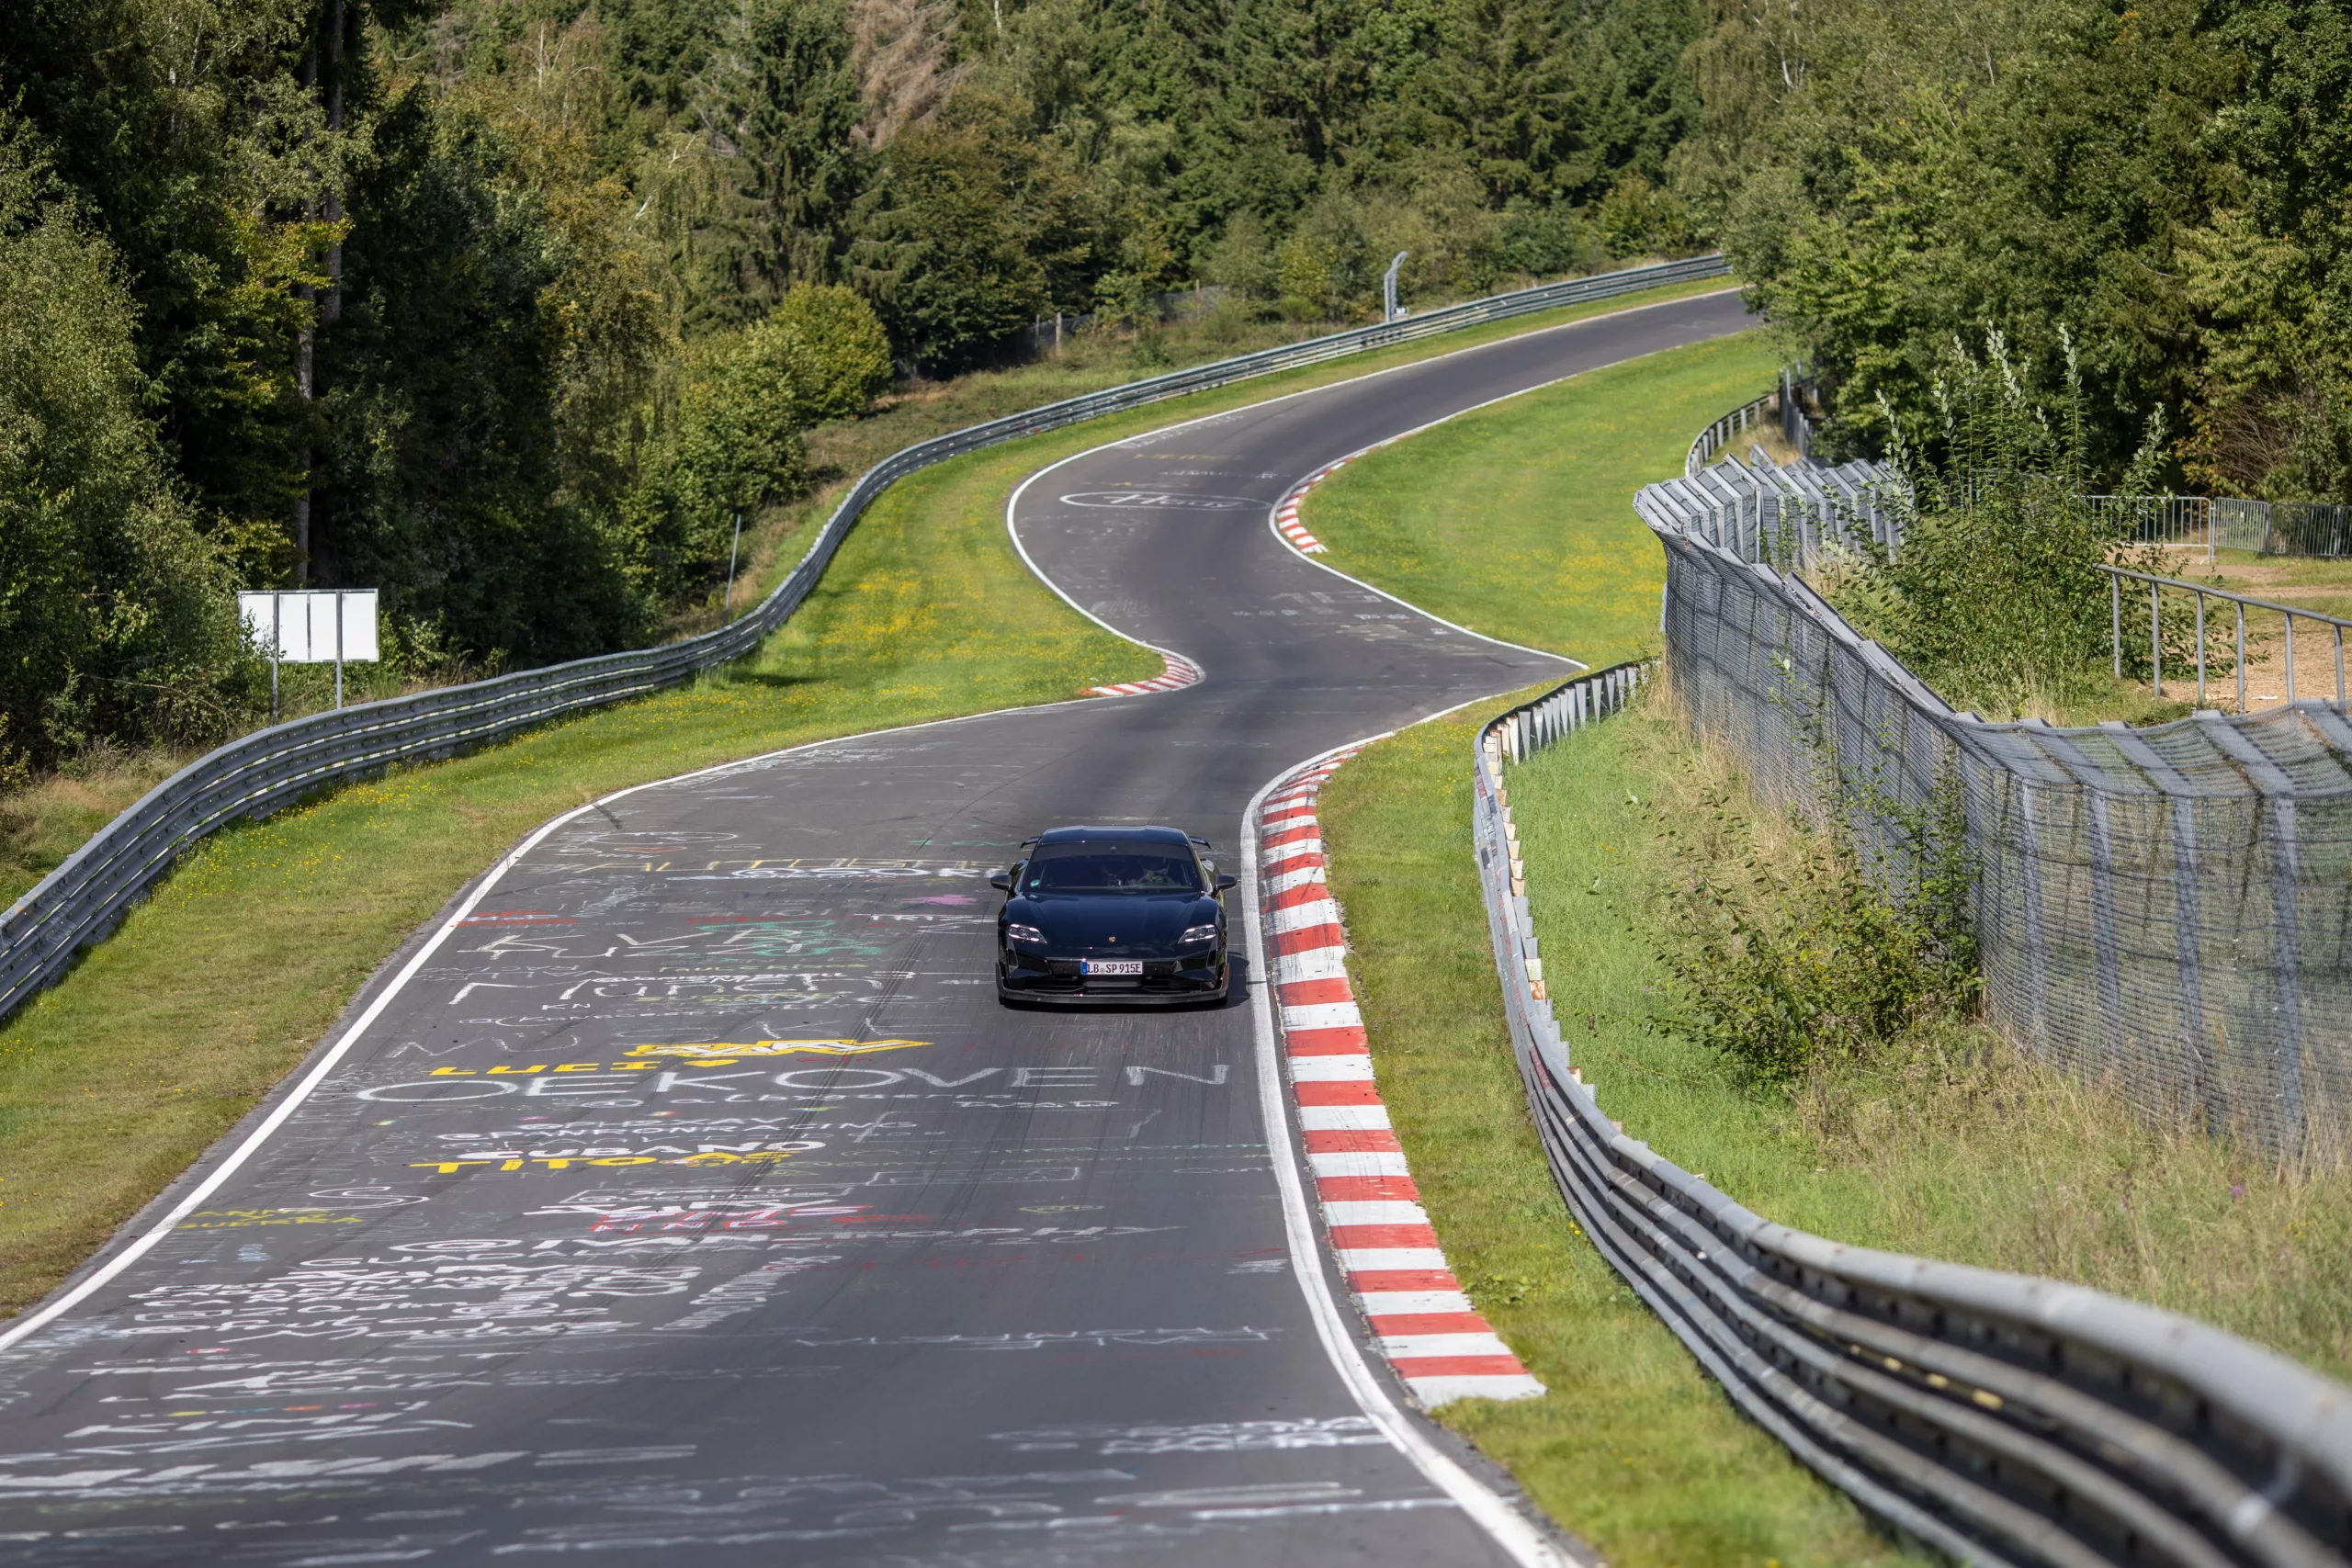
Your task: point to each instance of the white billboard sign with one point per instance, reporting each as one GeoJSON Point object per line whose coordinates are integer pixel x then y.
{"type": "Point", "coordinates": [335, 626]}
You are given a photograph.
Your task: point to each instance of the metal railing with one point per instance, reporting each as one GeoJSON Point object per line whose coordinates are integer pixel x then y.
{"type": "Point", "coordinates": [82, 898]}
{"type": "Point", "coordinates": [1997, 1418]}
{"type": "Point", "coordinates": [2240, 602]}
{"type": "Point", "coordinates": [1718, 436]}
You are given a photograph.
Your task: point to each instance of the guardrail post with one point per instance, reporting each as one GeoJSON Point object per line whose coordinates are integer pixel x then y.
{"type": "Point", "coordinates": [2115, 619]}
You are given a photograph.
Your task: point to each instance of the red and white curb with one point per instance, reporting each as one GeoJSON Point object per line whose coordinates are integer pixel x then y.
{"type": "Point", "coordinates": [1286, 521]}
{"type": "Point", "coordinates": [1420, 1320]}
{"type": "Point", "coordinates": [1180, 673]}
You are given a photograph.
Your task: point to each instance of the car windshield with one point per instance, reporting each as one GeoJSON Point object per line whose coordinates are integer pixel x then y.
{"type": "Point", "coordinates": [1111, 868]}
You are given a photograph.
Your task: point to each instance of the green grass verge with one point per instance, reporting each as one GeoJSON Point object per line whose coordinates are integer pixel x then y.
{"type": "Point", "coordinates": [1998, 1163]}
{"type": "Point", "coordinates": [113, 1082]}
{"type": "Point", "coordinates": [1517, 520]}
{"type": "Point", "coordinates": [1633, 1448]}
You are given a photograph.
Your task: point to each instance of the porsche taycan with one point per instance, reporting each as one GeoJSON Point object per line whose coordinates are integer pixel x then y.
{"type": "Point", "coordinates": [1111, 915]}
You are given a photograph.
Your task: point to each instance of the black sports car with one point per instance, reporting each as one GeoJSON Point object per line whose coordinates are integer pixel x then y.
{"type": "Point", "coordinates": [1112, 915]}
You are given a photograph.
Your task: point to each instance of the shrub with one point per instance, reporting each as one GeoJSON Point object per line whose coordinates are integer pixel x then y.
{"type": "Point", "coordinates": [826, 346]}
{"type": "Point", "coordinates": [1996, 597]}
{"type": "Point", "coordinates": [1826, 956]}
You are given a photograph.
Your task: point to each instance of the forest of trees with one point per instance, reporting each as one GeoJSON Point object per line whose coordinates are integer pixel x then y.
{"type": "Point", "coordinates": [504, 306]}
{"type": "Point", "coordinates": [2166, 183]}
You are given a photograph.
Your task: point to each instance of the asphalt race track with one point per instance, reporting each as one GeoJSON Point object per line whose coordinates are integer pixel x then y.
{"type": "Point", "coordinates": [683, 1194]}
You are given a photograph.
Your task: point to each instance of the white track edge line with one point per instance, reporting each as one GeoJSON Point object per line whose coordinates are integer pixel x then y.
{"type": "Point", "coordinates": [1507, 1527]}
{"type": "Point", "coordinates": [1013, 505]}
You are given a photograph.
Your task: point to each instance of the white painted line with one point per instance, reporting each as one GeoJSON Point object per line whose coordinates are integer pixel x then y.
{"type": "Point", "coordinates": [1396, 1303]}
{"type": "Point", "coordinates": [1343, 1117]}
{"type": "Point", "coordinates": [1386, 1259]}
{"type": "Point", "coordinates": [1290, 879]}
{"type": "Point", "coordinates": [1405, 1347]}
{"type": "Point", "coordinates": [1323, 1015]}
{"type": "Point", "coordinates": [1355, 1162]}
{"type": "Point", "coordinates": [1329, 1070]}
{"type": "Point", "coordinates": [1434, 1392]}
{"type": "Point", "coordinates": [1372, 1211]}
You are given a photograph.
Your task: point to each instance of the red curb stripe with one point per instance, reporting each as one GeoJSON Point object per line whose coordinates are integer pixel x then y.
{"type": "Point", "coordinates": [1410, 1367]}
{"type": "Point", "coordinates": [1307, 938]}
{"type": "Point", "coordinates": [1353, 1238]}
{"type": "Point", "coordinates": [1288, 818]}
{"type": "Point", "coordinates": [1367, 1281]}
{"type": "Point", "coordinates": [1343, 1091]}
{"type": "Point", "coordinates": [1366, 1188]}
{"type": "Point", "coordinates": [1344, 1042]}
{"type": "Point", "coordinates": [1353, 1141]}
{"type": "Point", "coordinates": [1390, 1324]}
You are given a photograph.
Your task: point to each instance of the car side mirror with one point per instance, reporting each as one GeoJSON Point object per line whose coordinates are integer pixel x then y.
{"type": "Point", "coordinates": [1225, 881]}
{"type": "Point", "coordinates": [1001, 880]}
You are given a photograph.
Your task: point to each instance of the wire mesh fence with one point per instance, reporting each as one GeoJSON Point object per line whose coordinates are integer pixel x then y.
{"type": "Point", "coordinates": [2168, 910]}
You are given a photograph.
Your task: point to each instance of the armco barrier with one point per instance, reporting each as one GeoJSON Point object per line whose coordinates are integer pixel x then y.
{"type": "Point", "coordinates": [82, 900]}
{"type": "Point", "coordinates": [1999, 1418]}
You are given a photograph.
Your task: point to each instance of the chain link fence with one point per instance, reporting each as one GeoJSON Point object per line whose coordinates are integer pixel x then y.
{"type": "Point", "coordinates": [2166, 910]}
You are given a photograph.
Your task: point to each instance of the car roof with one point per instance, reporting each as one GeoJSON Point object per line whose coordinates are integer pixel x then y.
{"type": "Point", "coordinates": [1174, 836]}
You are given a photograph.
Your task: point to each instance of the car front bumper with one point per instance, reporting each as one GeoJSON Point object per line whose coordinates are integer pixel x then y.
{"type": "Point", "coordinates": [1037, 978]}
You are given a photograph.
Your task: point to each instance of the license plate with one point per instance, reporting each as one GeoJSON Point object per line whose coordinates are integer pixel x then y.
{"type": "Point", "coordinates": [1114, 967]}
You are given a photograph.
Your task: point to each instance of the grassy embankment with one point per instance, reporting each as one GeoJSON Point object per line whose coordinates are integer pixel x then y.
{"type": "Point", "coordinates": [1996, 1163]}
{"type": "Point", "coordinates": [43, 820]}
{"type": "Point", "coordinates": [167, 1032]}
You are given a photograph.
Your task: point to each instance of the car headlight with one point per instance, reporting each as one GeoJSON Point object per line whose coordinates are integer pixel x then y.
{"type": "Point", "coordinates": [1194, 935]}
{"type": "Point", "coordinates": [1026, 936]}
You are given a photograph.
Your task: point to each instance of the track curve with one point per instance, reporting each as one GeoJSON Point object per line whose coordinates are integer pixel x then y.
{"type": "Point", "coordinates": [684, 1188]}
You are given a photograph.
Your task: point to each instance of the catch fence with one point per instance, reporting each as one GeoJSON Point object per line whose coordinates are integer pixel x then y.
{"type": "Point", "coordinates": [2165, 909]}
{"type": "Point", "coordinates": [1999, 1418]}
{"type": "Point", "coordinates": [255, 775]}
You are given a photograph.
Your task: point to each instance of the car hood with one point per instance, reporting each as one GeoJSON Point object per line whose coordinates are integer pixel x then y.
{"type": "Point", "coordinates": [1144, 925]}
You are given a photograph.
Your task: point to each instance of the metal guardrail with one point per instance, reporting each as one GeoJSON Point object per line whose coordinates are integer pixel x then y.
{"type": "Point", "coordinates": [82, 898]}
{"type": "Point", "coordinates": [1716, 436]}
{"type": "Point", "coordinates": [1999, 1418]}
